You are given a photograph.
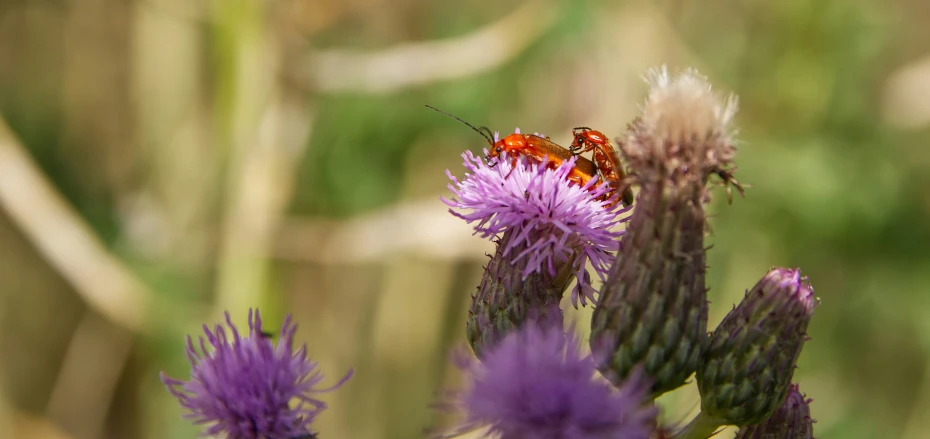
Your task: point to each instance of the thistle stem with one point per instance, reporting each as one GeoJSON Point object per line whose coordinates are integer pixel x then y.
{"type": "Point", "coordinates": [701, 427]}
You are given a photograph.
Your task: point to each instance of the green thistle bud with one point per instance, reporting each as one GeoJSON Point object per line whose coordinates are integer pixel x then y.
{"type": "Point", "coordinates": [749, 362]}
{"type": "Point", "coordinates": [505, 300]}
{"type": "Point", "coordinates": [652, 309]}
{"type": "Point", "coordinates": [791, 421]}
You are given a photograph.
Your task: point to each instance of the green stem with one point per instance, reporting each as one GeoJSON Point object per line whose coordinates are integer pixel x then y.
{"type": "Point", "coordinates": [701, 427]}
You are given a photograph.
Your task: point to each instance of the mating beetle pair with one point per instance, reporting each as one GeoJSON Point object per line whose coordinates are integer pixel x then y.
{"type": "Point", "coordinates": [606, 164]}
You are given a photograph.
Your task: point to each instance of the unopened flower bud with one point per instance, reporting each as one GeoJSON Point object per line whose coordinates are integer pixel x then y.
{"type": "Point", "coordinates": [750, 360]}
{"type": "Point", "coordinates": [505, 300]}
{"type": "Point", "coordinates": [791, 421]}
{"type": "Point", "coordinates": [652, 310]}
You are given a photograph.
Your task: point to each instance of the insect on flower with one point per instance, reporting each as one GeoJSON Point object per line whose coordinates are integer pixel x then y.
{"type": "Point", "coordinates": [605, 156]}
{"type": "Point", "coordinates": [533, 146]}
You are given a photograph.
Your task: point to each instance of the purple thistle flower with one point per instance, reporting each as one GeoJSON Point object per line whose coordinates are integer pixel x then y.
{"type": "Point", "coordinates": [535, 384]}
{"type": "Point", "coordinates": [791, 421]}
{"type": "Point", "coordinates": [243, 386]}
{"type": "Point", "coordinates": [552, 222]}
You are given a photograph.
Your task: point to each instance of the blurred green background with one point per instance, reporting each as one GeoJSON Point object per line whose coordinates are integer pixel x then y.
{"type": "Point", "coordinates": [169, 159]}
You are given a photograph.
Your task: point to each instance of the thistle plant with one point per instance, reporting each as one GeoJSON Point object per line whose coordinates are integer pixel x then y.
{"type": "Point", "coordinates": [546, 230]}
{"type": "Point", "coordinates": [529, 379]}
{"type": "Point", "coordinates": [649, 327]}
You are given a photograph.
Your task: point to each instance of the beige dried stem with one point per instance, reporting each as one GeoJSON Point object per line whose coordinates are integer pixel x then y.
{"type": "Point", "coordinates": [169, 217]}
{"type": "Point", "coordinates": [264, 130]}
{"type": "Point", "coordinates": [415, 227]}
{"type": "Point", "coordinates": [414, 64]}
{"type": "Point", "coordinates": [63, 238]}
{"type": "Point", "coordinates": [89, 376]}
{"type": "Point", "coordinates": [259, 188]}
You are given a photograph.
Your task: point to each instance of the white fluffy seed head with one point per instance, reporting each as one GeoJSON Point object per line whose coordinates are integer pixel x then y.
{"type": "Point", "coordinates": [684, 134]}
{"type": "Point", "coordinates": [683, 107]}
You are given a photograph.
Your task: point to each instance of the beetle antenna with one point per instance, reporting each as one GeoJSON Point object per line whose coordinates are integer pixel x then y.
{"type": "Point", "coordinates": [484, 131]}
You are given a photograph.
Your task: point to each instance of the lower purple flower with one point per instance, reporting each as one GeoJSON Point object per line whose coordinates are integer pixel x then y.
{"type": "Point", "coordinates": [244, 386]}
{"type": "Point", "coordinates": [535, 384]}
{"type": "Point", "coordinates": [553, 221]}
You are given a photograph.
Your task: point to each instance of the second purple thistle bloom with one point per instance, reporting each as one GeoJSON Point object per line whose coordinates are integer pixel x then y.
{"type": "Point", "coordinates": [243, 386]}
{"type": "Point", "coordinates": [554, 221]}
{"type": "Point", "coordinates": [537, 384]}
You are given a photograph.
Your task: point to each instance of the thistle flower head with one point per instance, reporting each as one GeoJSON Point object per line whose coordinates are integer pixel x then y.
{"type": "Point", "coordinates": [684, 107]}
{"type": "Point", "coordinates": [750, 360]}
{"type": "Point", "coordinates": [243, 386]}
{"type": "Point", "coordinates": [792, 420]}
{"type": "Point", "coordinates": [536, 384]}
{"type": "Point", "coordinates": [652, 309]}
{"type": "Point", "coordinates": [684, 134]}
{"type": "Point", "coordinates": [553, 222]}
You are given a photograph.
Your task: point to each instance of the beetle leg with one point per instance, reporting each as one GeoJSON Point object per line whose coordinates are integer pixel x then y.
{"type": "Point", "coordinates": [581, 148]}
{"type": "Point", "coordinates": [513, 165]}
